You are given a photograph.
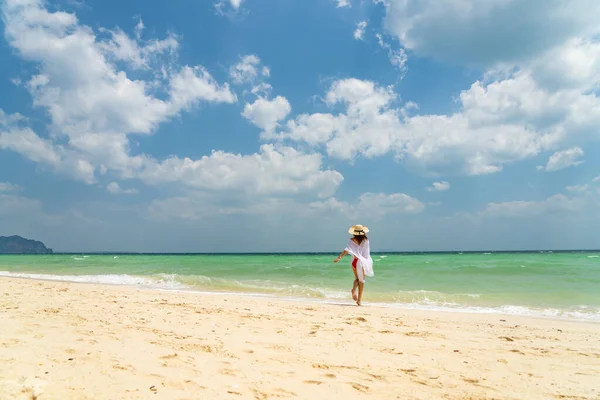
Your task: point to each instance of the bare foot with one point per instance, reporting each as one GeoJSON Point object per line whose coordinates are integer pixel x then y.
{"type": "Point", "coordinates": [354, 296]}
{"type": "Point", "coordinates": [358, 302]}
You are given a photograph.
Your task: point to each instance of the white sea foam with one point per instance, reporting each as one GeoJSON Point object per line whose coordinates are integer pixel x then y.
{"type": "Point", "coordinates": [417, 299]}
{"type": "Point", "coordinates": [166, 281]}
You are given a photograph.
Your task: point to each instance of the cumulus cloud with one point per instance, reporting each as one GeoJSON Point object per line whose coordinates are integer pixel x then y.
{"type": "Point", "coordinates": [267, 113]}
{"type": "Point", "coordinates": [439, 187]}
{"type": "Point", "coordinates": [359, 33]}
{"type": "Point", "coordinates": [370, 126]}
{"type": "Point", "coordinates": [24, 141]}
{"type": "Point", "coordinates": [398, 57]}
{"type": "Point", "coordinates": [529, 209]}
{"type": "Point", "coordinates": [135, 52]}
{"type": "Point", "coordinates": [534, 97]}
{"type": "Point", "coordinates": [232, 5]}
{"type": "Point", "coordinates": [9, 187]}
{"type": "Point", "coordinates": [488, 32]}
{"type": "Point", "coordinates": [248, 70]}
{"type": "Point", "coordinates": [371, 205]}
{"type": "Point", "coordinates": [272, 171]}
{"type": "Point", "coordinates": [94, 107]}
{"type": "Point", "coordinates": [564, 159]}
{"type": "Point", "coordinates": [115, 188]}
{"type": "Point", "coordinates": [343, 3]}
{"type": "Point", "coordinates": [578, 188]}
{"type": "Point", "coordinates": [367, 207]}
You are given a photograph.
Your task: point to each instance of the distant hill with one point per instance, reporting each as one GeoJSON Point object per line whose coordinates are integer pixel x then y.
{"type": "Point", "coordinates": [18, 245]}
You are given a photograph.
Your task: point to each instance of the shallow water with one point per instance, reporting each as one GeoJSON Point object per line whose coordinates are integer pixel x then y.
{"type": "Point", "coordinates": [565, 284]}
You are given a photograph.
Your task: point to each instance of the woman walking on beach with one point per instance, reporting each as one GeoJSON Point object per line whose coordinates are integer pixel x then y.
{"type": "Point", "coordinates": [362, 264]}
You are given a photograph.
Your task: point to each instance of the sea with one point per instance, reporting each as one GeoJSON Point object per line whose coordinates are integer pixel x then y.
{"type": "Point", "coordinates": [563, 285]}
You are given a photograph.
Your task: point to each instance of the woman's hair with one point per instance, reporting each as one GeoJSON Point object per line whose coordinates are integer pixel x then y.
{"type": "Point", "coordinates": [360, 238]}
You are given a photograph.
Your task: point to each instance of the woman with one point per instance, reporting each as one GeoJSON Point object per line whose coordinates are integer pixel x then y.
{"type": "Point", "coordinates": [362, 263]}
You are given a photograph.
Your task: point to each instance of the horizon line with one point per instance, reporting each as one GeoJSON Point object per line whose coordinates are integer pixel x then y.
{"type": "Point", "coordinates": [311, 252]}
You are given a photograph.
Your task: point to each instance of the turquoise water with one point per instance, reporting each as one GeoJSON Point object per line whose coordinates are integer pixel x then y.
{"type": "Point", "coordinates": [542, 284]}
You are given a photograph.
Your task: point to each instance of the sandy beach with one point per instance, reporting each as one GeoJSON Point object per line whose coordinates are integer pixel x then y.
{"type": "Point", "coordinates": [76, 341]}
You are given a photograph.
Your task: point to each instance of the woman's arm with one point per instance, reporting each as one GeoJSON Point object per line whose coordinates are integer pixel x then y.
{"type": "Point", "coordinates": [340, 256]}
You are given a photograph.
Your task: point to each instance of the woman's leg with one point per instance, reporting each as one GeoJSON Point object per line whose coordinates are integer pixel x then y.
{"type": "Point", "coordinates": [361, 286]}
{"type": "Point", "coordinates": [355, 285]}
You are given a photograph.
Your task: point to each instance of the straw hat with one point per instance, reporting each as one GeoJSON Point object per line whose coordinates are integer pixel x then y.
{"type": "Point", "coordinates": [358, 230]}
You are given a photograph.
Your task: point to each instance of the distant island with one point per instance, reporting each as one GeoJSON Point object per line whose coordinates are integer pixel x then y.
{"type": "Point", "coordinates": [19, 245]}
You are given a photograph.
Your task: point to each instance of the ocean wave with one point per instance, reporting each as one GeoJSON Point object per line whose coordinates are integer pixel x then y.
{"type": "Point", "coordinates": [582, 313]}
{"type": "Point", "coordinates": [409, 299]}
{"type": "Point", "coordinates": [167, 281]}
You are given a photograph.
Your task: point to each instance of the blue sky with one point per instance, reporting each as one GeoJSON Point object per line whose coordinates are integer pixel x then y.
{"type": "Point", "coordinates": [228, 125]}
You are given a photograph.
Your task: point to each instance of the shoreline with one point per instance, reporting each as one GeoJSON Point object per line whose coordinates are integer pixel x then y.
{"type": "Point", "coordinates": [62, 340]}
{"type": "Point", "coordinates": [464, 309]}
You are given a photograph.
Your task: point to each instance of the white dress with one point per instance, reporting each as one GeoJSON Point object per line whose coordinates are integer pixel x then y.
{"type": "Point", "coordinates": [364, 265]}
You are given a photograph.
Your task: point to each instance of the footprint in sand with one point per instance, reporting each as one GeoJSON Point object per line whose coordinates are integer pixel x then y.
{"type": "Point", "coordinates": [507, 338]}
{"type": "Point", "coordinates": [408, 371]}
{"type": "Point", "coordinates": [417, 334]}
{"type": "Point", "coordinates": [122, 367]}
{"type": "Point", "coordinates": [390, 351]}
{"type": "Point", "coordinates": [359, 387]}
{"type": "Point", "coordinates": [227, 371]}
{"type": "Point", "coordinates": [311, 382]}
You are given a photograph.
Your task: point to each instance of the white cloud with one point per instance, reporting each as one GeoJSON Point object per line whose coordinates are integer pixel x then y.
{"type": "Point", "coordinates": [9, 187]}
{"type": "Point", "coordinates": [578, 188]}
{"type": "Point", "coordinates": [596, 179]}
{"type": "Point", "coordinates": [534, 99]}
{"type": "Point", "coordinates": [398, 58]}
{"type": "Point", "coordinates": [382, 204]}
{"type": "Point", "coordinates": [235, 3]}
{"type": "Point", "coordinates": [564, 159]}
{"type": "Point", "coordinates": [25, 142]}
{"type": "Point", "coordinates": [248, 70]}
{"type": "Point", "coordinates": [91, 103]}
{"type": "Point", "coordinates": [343, 3]}
{"type": "Point", "coordinates": [439, 186]}
{"type": "Point", "coordinates": [367, 207]}
{"type": "Point", "coordinates": [82, 90]}
{"type": "Point", "coordinates": [115, 188]}
{"type": "Point", "coordinates": [369, 126]}
{"type": "Point", "coordinates": [267, 113]}
{"type": "Point", "coordinates": [273, 171]}
{"type": "Point", "coordinates": [488, 32]}
{"type": "Point", "coordinates": [371, 205]}
{"type": "Point", "coordinates": [528, 209]}
{"type": "Point", "coordinates": [359, 33]}
{"type": "Point", "coordinates": [94, 107]}
{"type": "Point", "coordinates": [123, 48]}
{"type": "Point", "coordinates": [262, 90]}
{"type": "Point", "coordinates": [191, 85]}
